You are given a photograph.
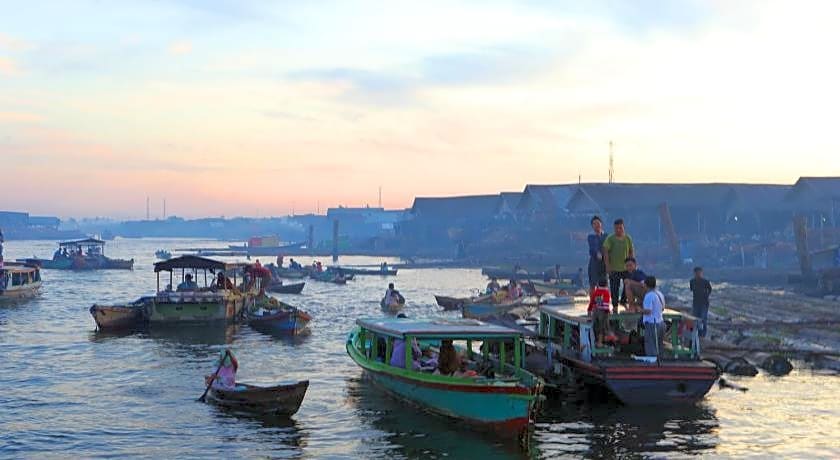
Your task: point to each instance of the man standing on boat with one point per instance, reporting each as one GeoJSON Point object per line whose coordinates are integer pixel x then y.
{"type": "Point", "coordinates": [701, 288]}
{"type": "Point", "coordinates": [652, 320]}
{"type": "Point", "coordinates": [617, 248]}
{"type": "Point", "coordinates": [597, 269]}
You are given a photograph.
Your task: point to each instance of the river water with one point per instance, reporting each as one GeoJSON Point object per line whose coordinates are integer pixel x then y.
{"type": "Point", "coordinates": [68, 390]}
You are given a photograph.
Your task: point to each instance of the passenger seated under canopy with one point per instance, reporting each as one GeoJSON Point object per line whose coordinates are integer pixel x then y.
{"type": "Point", "coordinates": [188, 284]}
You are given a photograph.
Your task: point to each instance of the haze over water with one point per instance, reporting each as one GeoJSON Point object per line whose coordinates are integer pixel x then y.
{"type": "Point", "coordinates": [68, 390]}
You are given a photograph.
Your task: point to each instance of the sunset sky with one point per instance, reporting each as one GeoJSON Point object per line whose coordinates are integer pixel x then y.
{"type": "Point", "coordinates": [234, 107]}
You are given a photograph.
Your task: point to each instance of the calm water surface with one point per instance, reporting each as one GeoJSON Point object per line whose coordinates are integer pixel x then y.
{"type": "Point", "coordinates": [68, 389]}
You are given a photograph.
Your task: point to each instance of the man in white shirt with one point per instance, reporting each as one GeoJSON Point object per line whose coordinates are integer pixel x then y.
{"type": "Point", "coordinates": [653, 305]}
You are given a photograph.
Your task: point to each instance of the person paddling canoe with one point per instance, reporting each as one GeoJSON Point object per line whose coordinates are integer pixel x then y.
{"type": "Point", "coordinates": [225, 377]}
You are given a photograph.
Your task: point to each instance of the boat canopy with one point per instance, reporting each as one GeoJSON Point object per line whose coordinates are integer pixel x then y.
{"type": "Point", "coordinates": [85, 242]}
{"type": "Point", "coordinates": [442, 328]}
{"type": "Point", "coordinates": [562, 313]}
{"type": "Point", "coordinates": [189, 262]}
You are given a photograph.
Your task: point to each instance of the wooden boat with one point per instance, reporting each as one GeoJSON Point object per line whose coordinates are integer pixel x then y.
{"type": "Point", "coordinates": [500, 395]}
{"type": "Point", "coordinates": [510, 274]}
{"type": "Point", "coordinates": [213, 302]}
{"type": "Point", "coordinates": [393, 307]}
{"type": "Point", "coordinates": [487, 309]}
{"type": "Point", "coordinates": [280, 288]}
{"type": "Point", "coordinates": [117, 317]}
{"type": "Point", "coordinates": [19, 280]}
{"type": "Point", "coordinates": [451, 303]}
{"type": "Point", "coordinates": [284, 319]}
{"type": "Point", "coordinates": [283, 272]}
{"type": "Point", "coordinates": [556, 289]}
{"type": "Point", "coordinates": [163, 254]}
{"type": "Point", "coordinates": [87, 254]}
{"type": "Point", "coordinates": [283, 400]}
{"type": "Point", "coordinates": [678, 376]}
{"type": "Point", "coordinates": [329, 277]}
{"type": "Point", "coordinates": [371, 272]}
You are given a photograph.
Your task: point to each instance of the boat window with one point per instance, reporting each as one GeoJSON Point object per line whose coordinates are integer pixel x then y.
{"type": "Point", "coordinates": [16, 281]}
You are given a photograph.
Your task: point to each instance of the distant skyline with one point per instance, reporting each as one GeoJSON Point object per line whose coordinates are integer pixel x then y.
{"type": "Point", "coordinates": [243, 108]}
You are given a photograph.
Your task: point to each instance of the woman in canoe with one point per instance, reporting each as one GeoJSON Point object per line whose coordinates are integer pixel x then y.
{"type": "Point", "coordinates": [225, 377]}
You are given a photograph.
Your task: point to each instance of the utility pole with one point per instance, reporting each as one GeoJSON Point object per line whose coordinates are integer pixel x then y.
{"type": "Point", "coordinates": [147, 207]}
{"type": "Point", "coordinates": [380, 196]}
{"type": "Point", "coordinates": [612, 170]}
{"type": "Point", "coordinates": [164, 209]}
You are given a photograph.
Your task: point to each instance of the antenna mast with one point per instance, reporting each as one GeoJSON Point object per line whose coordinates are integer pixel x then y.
{"type": "Point", "coordinates": [612, 170]}
{"type": "Point", "coordinates": [147, 208]}
{"type": "Point", "coordinates": [380, 196]}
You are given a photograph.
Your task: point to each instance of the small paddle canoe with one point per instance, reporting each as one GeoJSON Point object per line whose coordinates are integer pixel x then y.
{"type": "Point", "coordinates": [281, 400]}
{"type": "Point", "coordinates": [281, 288]}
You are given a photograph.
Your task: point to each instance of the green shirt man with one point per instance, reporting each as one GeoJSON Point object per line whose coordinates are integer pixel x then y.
{"type": "Point", "coordinates": [616, 250]}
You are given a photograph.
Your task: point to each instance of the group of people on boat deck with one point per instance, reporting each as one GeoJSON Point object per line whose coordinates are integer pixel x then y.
{"type": "Point", "coordinates": [507, 293]}
{"type": "Point", "coordinates": [612, 262]}
{"type": "Point", "coordinates": [445, 361]}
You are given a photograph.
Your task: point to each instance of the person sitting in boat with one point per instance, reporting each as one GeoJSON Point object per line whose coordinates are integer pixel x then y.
{"type": "Point", "coordinates": [393, 296]}
{"type": "Point", "coordinates": [384, 267]}
{"type": "Point", "coordinates": [294, 265]}
{"type": "Point", "coordinates": [634, 288]}
{"type": "Point", "coordinates": [188, 284]}
{"type": "Point", "coordinates": [225, 378]}
{"type": "Point", "coordinates": [514, 291]}
{"type": "Point", "coordinates": [429, 360]}
{"type": "Point", "coordinates": [599, 309]}
{"type": "Point", "coordinates": [398, 354]}
{"type": "Point", "coordinates": [448, 360]}
{"type": "Point", "coordinates": [654, 323]}
{"type": "Point", "coordinates": [493, 286]}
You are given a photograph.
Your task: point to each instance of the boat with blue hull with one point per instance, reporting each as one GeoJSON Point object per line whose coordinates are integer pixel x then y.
{"type": "Point", "coordinates": [280, 318]}
{"type": "Point", "coordinates": [493, 391]}
{"type": "Point", "coordinates": [488, 309]}
{"type": "Point", "coordinates": [677, 376]}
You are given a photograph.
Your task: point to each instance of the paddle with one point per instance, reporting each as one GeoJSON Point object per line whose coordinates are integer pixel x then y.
{"type": "Point", "coordinates": [221, 363]}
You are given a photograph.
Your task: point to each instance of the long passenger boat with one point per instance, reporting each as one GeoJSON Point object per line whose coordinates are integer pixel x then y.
{"type": "Point", "coordinates": [494, 391]}
{"type": "Point", "coordinates": [19, 280]}
{"type": "Point", "coordinates": [678, 376]}
{"type": "Point", "coordinates": [87, 254]}
{"type": "Point", "coordinates": [218, 300]}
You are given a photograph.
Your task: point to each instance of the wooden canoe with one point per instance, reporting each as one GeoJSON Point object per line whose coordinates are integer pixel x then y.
{"type": "Point", "coordinates": [282, 400]}
{"type": "Point", "coordinates": [279, 288]}
{"type": "Point", "coordinates": [392, 307]}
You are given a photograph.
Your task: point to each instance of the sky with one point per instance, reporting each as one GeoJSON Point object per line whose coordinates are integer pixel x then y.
{"type": "Point", "coordinates": [240, 107]}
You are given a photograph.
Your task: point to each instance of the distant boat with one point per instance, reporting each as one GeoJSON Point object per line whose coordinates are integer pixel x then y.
{"type": "Point", "coordinates": [370, 272]}
{"type": "Point", "coordinates": [163, 254]}
{"type": "Point", "coordinates": [87, 254]}
{"type": "Point", "coordinates": [19, 280]}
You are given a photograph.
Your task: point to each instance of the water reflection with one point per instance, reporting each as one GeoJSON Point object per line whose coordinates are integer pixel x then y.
{"type": "Point", "coordinates": [283, 436]}
{"type": "Point", "coordinates": [606, 429]}
{"type": "Point", "coordinates": [419, 434]}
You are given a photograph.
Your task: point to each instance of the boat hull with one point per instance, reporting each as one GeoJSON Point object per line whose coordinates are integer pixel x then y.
{"type": "Point", "coordinates": [649, 384]}
{"type": "Point", "coordinates": [283, 400]}
{"type": "Point", "coordinates": [503, 409]}
{"type": "Point", "coordinates": [391, 307]}
{"type": "Point", "coordinates": [116, 317]}
{"type": "Point", "coordinates": [295, 288]}
{"type": "Point", "coordinates": [286, 322]}
{"type": "Point", "coordinates": [486, 310]}
{"type": "Point", "coordinates": [162, 311]}
{"type": "Point", "coordinates": [450, 303]}
{"type": "Point", "coordinates": [25, 292]}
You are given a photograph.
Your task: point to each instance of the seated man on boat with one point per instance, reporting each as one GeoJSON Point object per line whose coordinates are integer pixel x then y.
{"type": "Point", "coordinates": [634, 288]}
{"type": "Point", "coordinates": [654, 323]}
{"type": "Point", "coordinates": [225, 377]}
{"type": "Point", "coordinates": [294, 265]}
{"type": "Point", "coordinates": [188, 284]}
{"type": "Point", "coordinates": [448, 360]}
{"type": "Point", "coordinates": [398, 354]}
{"type": "Point", "coordinates": [384, 267]}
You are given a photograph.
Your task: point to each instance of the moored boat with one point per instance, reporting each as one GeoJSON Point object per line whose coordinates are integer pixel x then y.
{"type": "Point", "coordinates": [19, 280]}
{"type": "Point", "coordinates": [490, 393]}
{"type": "Point", "coordinates": [678, 376]}
{"type": "Point", "coordinates": [163, 254]}
{"type": "Point", "coordinates": [117, 317]}
{"type": "Point", "coordinates": [451, 303]}
{"type": "Point", "coordinates": [282, 400]}
{"type": "Point", "coordinates": [280, 288]}
{"type": "Point", "coordinates": [281, 318]}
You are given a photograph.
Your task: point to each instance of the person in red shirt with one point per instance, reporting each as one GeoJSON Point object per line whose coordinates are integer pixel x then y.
{"type": "Point", "coordinates": [599, 309]}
